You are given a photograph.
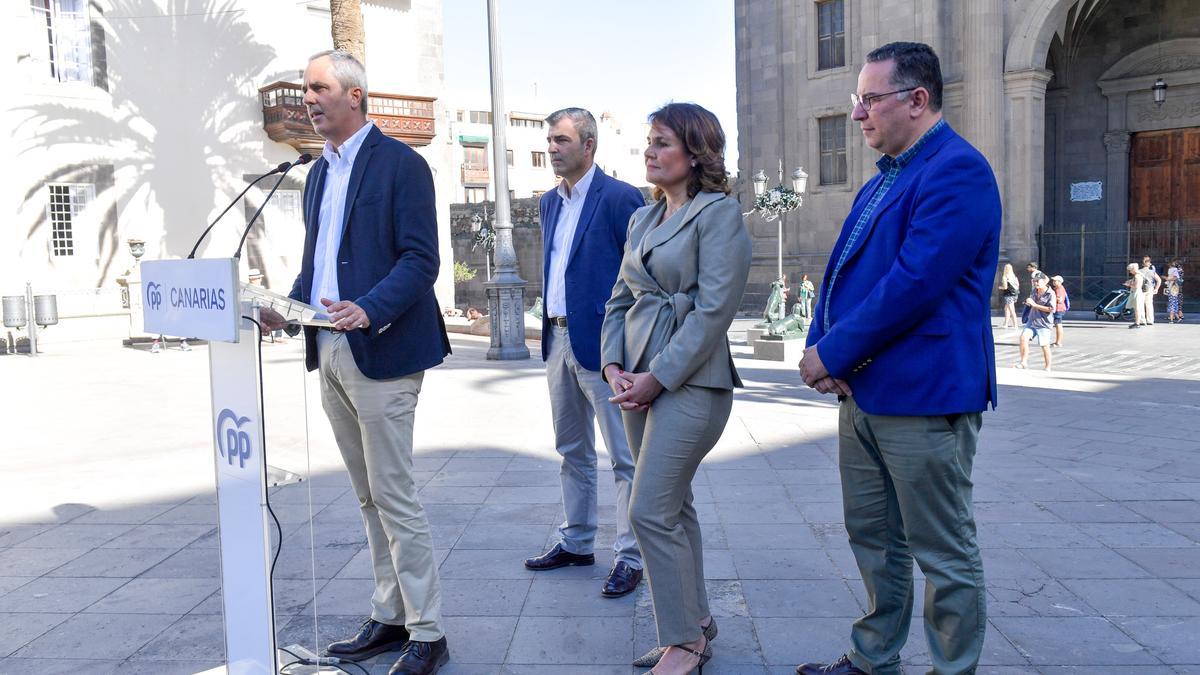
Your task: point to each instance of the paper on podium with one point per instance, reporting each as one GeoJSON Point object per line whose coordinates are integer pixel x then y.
{"type": "Point", "coordinates": [292, 311]}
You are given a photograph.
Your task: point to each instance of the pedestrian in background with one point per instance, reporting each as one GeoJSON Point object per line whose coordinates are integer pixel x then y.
{"type": "Point", "coordinates": [1174, 291]}
{"type": "Point", "coordinates": [1062, 303]}
{"type": "Point", "coordinates": [1038, 321]}
{"type": "Point", "coordinates": [1135, 283]}
{"type": "Point", "coordinates": [1151, 284]}
{"type": "Point", "coordinates": [1010, 289]}
{"type": "Point", "coordinates": [807, 293]}
{"type": "Point", "coordinates": [667, 360]}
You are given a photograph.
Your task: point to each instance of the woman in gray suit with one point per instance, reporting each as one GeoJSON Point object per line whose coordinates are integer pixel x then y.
{"type": "Point", "coordinates": [667, 360]}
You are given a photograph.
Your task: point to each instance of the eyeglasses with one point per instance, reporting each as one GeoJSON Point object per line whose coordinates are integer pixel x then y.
{"type": "Point", "coordinates": [867, 101]}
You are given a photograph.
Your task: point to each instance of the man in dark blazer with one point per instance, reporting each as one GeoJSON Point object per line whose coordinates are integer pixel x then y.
{"type": "Point", "coordinates": [902, 334]}
{"type": "Point", "coordinates": [370, 257]}
{"type": "Point", "coordinates": [584, 224]}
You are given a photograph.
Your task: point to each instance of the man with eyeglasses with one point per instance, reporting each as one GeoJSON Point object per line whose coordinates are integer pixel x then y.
{"type": "Point", "coordinates": [901, 333]}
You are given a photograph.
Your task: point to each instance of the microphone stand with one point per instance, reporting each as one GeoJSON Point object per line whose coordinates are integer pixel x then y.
{"type": "Point", "coordinates": [282, 167]}
{"type": "Point", "coordinates": [304, 159]}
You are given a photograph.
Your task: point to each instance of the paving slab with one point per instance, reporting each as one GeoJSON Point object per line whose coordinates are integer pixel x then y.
{"type": "Point", "coordinates": [1090, 551]}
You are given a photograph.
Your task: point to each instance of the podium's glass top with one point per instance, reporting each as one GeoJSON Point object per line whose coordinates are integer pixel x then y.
{"type": "Point", "coordinates": [293, 311]}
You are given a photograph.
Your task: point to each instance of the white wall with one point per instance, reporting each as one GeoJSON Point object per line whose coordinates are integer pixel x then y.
{"type": "Point", "coordinates": [181, 125]}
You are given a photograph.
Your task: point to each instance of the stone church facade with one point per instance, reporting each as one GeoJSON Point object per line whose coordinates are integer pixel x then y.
{"type": "Point", "coordinates": [1057, 94]}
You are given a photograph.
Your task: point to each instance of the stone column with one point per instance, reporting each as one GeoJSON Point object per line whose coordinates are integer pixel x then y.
{"type": "Point", "coordinates": [1025, 178]}
{"type": "Point", "coordinates": [983, 73]}
{"type": "Point", "coordinates": [1116, 200]}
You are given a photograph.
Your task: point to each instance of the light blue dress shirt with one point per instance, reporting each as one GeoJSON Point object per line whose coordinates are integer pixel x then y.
{"type": "Point", "coordinates": [333, 210]}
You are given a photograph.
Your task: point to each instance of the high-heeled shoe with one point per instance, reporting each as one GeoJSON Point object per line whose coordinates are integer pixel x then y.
{"type": "Point", "coordinates": [651, 658]}
{"type": "Point", "coordinates": [704, 656]}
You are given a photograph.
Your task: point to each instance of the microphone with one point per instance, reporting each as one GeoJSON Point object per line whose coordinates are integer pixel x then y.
{"type": "Point", "coordinates": [302, 159]}
{"type": "Point", "coordinates": [282, 168]}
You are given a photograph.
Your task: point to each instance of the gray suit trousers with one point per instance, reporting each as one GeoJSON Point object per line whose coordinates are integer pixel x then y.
{"type": "Point", "coordinates": [577, 397]}
{"type": "Point", "coordinates": [669, 440]}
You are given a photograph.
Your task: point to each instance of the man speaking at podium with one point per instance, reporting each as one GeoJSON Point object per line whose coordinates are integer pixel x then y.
{"type": "Point", "coordinates": [370, 257]}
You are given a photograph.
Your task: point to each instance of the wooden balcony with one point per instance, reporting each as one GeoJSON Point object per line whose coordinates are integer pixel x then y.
{"type": "Point", "coordinates": [405, 118]}
{"type": "Point", "coordinates": [475, 176]}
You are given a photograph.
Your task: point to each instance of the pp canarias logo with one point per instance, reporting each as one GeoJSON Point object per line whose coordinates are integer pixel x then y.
{"type": "Point", "coordinates": [154, 295]}
{"type": "Point", "coordinates": [232, 441]}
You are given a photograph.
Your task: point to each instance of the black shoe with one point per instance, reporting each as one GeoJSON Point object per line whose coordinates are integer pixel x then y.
{"type": "Point", "coordinates": [372, 638]}
{"type": "Point", "coordinates": [559, 557]}
{"type": "Point", "coordinates": [840, 667]}
{"type": "Point", "coordinates": [622, 580]}
{"type": "Point", "coordinates": [421, 658]}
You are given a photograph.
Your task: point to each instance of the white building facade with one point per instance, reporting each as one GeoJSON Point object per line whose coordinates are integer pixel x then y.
{"type": "Point", "coordinates": [143, 119]}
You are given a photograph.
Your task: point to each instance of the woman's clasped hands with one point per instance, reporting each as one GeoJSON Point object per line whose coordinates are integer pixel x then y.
{"type": "Point", "coordinates": [632, 392]}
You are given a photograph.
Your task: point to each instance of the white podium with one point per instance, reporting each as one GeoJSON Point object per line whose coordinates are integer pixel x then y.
{"type": "Point", "coordinates": [203, 299]}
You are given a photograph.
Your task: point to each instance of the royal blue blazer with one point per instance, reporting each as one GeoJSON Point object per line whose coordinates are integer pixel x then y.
{"type": "Point", "coordinates": [387, 259]}
{"type": "Point", "coordinates": [910, 310]}
{"type": "Point", "coordinates": [595, 258]}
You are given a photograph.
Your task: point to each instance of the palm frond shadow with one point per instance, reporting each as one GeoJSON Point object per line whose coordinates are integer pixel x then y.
{"type": "Point", "coordinates": [181, 129]}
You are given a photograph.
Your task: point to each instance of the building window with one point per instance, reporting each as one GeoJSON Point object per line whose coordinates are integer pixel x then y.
{"type": "Point", "coordinates": [539, 160]}
{"type": "Point", "coordinates": [68, 38]}
{"type": "Point", "coordinates": [67, 201]}
{"type": "Point", "coordinates": [833, 149]}
{"type": "Point", "coordinates": [475, 157]}
{"type": "Point", "coordinates": [480, 117]}
{"type": "Point", "coordinates": [476, 195]}
{"type": "Point", "coordinates": [459, 115]}
{"type": "Point", "coordinates": [537, 194]}
{"type": "Point", "coordinates": [831, 34]}
{"type": "Point", "coordinates": [526, 123]}
{"type": "Point", "coordinates": [509, 155]}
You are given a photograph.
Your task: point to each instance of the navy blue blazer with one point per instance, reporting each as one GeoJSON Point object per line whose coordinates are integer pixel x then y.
{"type": "Point", "coordinates": [387, 259]}
{"type": "Point", "coordinates": [910, 313]}
{"type": "Point", "coordinates": [595, 258]}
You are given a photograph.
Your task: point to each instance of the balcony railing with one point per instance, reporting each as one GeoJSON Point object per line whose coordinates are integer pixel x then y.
{"type": "Point", "coordinates": [405, 118]}
{"type": "Point", "coordinates": [475, 176]}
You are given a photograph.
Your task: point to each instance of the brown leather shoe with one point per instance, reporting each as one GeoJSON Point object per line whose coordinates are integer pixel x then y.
{"type": "Point", "coordinates": [840, 667]}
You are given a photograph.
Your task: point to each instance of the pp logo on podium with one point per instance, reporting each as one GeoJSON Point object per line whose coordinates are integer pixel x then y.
{"type": "Point", "coordinates": [232, 441]}
{"type": "Point", "coordinates": [153, 295]}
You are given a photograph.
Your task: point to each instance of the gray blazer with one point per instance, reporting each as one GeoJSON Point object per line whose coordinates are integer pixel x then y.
{"type": "Point", "coordinates": [677, 292]}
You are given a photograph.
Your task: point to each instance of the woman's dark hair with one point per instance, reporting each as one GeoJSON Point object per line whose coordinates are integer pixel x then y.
{"type": "Point", "coordinates": [703, 139]}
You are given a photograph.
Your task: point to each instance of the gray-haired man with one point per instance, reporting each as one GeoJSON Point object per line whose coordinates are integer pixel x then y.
{"type": "Point", "coordinates": [584, 223]}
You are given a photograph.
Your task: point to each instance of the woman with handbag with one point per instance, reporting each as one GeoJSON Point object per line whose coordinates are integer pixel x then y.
{"type": "Point", "coordinates": [1010, 289]}
{"type": "Point", "coordinates": [667, 360]}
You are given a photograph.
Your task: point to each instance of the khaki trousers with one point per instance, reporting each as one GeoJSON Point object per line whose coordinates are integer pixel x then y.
{"type": "Point", "coordinates": [906, 490]}
{"type": "Point", "coordinates": [372, 422]}
{"type": "Point", "coordinates": [668, 441]}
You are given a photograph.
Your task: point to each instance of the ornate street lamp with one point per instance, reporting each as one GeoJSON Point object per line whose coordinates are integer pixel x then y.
{"type": "Point", "coordinates": [775, 203]}
{"type": "Point", "coordinates": [485, 236]}
{"type": "Point", "coordinates": [1160, 91]}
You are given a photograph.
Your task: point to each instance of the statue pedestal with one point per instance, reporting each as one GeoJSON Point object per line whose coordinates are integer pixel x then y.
{"type": "Point", "coordinates": [753, 334]}
{"type": "Point", "coordinates": [788, 351]}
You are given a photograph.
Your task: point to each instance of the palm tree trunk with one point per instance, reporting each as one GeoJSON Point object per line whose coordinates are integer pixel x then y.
{"type": "Point", "coordinates": [347, 28]}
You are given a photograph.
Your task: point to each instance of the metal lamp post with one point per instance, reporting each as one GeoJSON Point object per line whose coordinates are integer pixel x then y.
{"type": "Point", "coordinates": [799, 185]}
{"type": "Point", "coordinates": [506, 294]}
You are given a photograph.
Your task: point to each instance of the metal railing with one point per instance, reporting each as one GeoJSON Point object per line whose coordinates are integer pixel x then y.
{"type": "Point", "coordinates": [1084, 256]}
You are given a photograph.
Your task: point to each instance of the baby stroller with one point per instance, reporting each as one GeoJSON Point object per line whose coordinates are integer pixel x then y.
{"type": "Point", "coordinates": [1114, 306]}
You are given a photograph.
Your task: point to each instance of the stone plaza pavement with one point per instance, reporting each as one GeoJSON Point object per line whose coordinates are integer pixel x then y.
{"type": "Point", "coordinates": [1087, 489]}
